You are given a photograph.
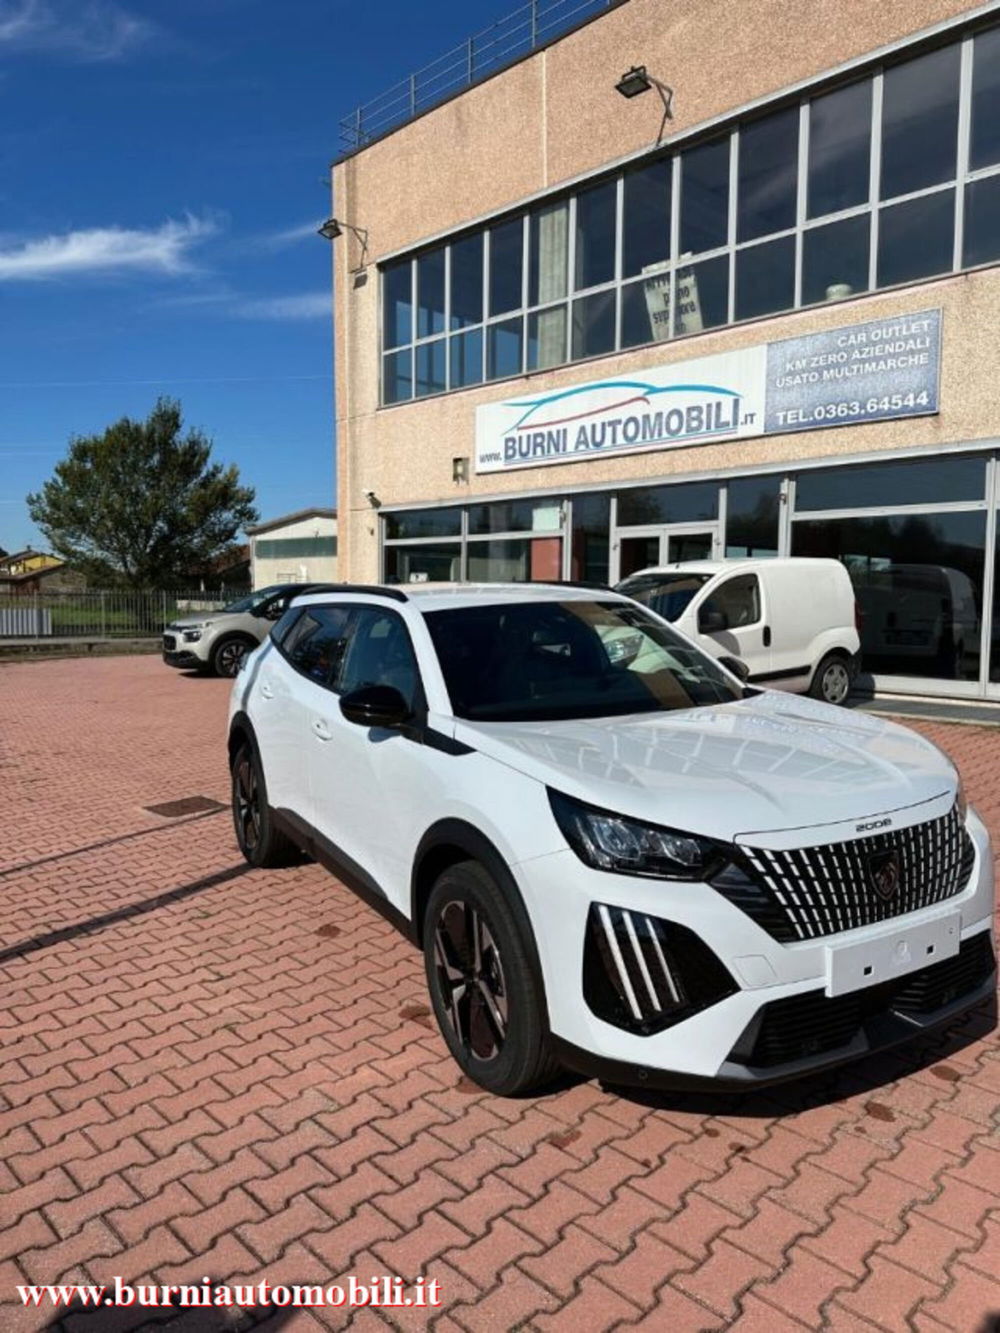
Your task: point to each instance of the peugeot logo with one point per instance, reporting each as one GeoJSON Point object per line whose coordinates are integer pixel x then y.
{"type": "Point", "coordinates": [883, 874]}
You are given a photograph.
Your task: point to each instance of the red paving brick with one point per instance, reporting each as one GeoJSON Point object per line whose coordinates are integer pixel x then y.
{"type": "Point", "coordinates": [241, 1079]}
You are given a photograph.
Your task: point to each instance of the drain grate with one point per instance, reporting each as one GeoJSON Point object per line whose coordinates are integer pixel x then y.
{"type": "Point", "coordinates": [187, 805]}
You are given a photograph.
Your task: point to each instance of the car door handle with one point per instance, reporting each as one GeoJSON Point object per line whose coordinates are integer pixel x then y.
{"type": "Point", "coordinates": [267, 690]}
{"type": "Point", "coordinates": [767, 636]}
{"type": "Point", "coordinates": [321, 730]}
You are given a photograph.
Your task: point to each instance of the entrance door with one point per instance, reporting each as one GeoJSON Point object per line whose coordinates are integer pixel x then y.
{"type": "Point", "coordinates": [645, 548]}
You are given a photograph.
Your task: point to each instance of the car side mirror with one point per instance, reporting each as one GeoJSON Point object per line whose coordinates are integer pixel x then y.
{"type": "Point", "coordinates": [711, 621]}
{"type": "Point", "coordinates": [737, 666]}
{"type": "Point", "coordinates": [375, 706]}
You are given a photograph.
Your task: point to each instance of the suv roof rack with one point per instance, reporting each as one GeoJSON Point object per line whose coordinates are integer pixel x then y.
{"type": "Point", "coordinates": [378, 589]}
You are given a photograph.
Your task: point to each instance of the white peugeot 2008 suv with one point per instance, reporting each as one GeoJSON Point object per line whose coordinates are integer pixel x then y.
{"type": "Point", "coordinates": [616, 856]}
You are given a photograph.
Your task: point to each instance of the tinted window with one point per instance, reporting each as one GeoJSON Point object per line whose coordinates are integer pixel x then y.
{"type": "Point", "coordinates": [765, 278]}
{"type": "Point", "coordinates": [546, 337]}
{"type": "Point", "coordinates": [705, 197]}
{"type": "Point", "coordinates": [646, 224]}
{"type": "Point", "coordinates": [920, 122]}
{"type": "Point", "coordinates": [915, 239]}
{"type": "Point", "coordinates": [668, 504]}
{"type": "Point", "coordinates": [503, 348]}
{"type": "Point", "coordinates": [506, 266]}
{"type": "Point", "coordinates": [840, 127]}
{"type": "Point", "coordinates": [982, 222]}
{"type": "Point", "coordinates": [424, 523]}
{"type": "Point", "coordinates": [984, 143]}
{"type": "Point", "coordinates": [738, 599]}
{"type": "Point", "coordinates": [535, 660]}
{"type": "Point", "coordinates": [431, 367]}
{"type": "Point", "coordinates": [315, 643]}
{"type": "Point", "coordinates": [768, 171]}
{"type": "Point", "coordinates": [752, 516]}
{"type": "Point", "coordinates": [466, 358]}
{"type": "Point", "coordinates": [466, 281]}
{"type": "Point", "coordinates": [430, 293]}
{"type": "Point", "coordinates": [835, 259]}
{"type": "Point", "coordinates": [397, 376]}
{"type": "Point", "coordinates": [888, 484]}
{"type": "Point", "coordinates": [595, 235]}
{"type": "Point", "coordinates": [516, 516]}
{"type": "Point", "coordinates": [397, 305]}
{"type": "Point", "coordinates": [380, 653]}
{"type": "Point", "coordinates": [593, 324]}
{"type": "Point", "coordinates": [286, 622]}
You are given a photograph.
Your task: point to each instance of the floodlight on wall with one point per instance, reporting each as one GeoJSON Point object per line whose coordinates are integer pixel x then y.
{"type": "Point", "coordinates": [333, 227]}
{"type": "Point", "coordinates": [460, 469]}
{"type": "Point", "coordinates": [638, 80]}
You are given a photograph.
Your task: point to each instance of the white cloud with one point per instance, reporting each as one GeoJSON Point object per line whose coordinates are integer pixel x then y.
{"type": "Point", "coordinates": [162, 249]}
{"type": "Point", "coordinates": [306, 305]}
{"type": "Point", "coordinates": [292, 235]}
{"type": "Point", "coordinates": [94, 31]}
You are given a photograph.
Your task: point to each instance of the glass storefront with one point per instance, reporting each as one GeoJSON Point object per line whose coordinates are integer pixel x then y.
{"type": "Point", "coordinates": [918, 537]}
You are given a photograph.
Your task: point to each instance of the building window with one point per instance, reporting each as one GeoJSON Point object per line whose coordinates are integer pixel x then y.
{"type": "Point", "coordinates": [752, 517]}
{"type": "Point", "coordinates": [724, 230]}
{"type": "Point", "coordinates": [294, 548]}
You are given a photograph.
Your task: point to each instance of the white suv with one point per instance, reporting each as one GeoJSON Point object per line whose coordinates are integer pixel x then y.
{"type": "Point", "coordinates": [616, 857]}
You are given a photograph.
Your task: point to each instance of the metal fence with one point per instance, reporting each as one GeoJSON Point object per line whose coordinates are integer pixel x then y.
{"type": "Point", "coordinates": [501, 44]}
{"type": "Point", "coordinates": [110, 614]}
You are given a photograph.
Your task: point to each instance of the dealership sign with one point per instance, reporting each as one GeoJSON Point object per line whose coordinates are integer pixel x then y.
{"type": "Point", "coordinates": [876, 371]}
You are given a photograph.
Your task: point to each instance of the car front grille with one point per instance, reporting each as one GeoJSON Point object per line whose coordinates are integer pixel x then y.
{"type": "Point", "coordinates": [169, 643]}
{"type": "Point", "coordinates": [811, 892]}
{"type": "Point", "coordinates": [813, 1024]}
{"type": "Point", "coordinates": [643, 974]}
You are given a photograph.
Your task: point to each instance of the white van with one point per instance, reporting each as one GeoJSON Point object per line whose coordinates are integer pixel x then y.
{"type": "Point", "coordinates": [792, 621]}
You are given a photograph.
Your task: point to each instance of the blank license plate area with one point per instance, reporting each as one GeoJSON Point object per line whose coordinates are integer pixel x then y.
{"type": "Point", "coordinates": [885, 957]}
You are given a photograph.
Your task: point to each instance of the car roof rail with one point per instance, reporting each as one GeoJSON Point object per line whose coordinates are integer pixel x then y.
{"type": "Point", "coordinates": [589, 585]}
{"type": "Point", "coordinates": [378, 589]}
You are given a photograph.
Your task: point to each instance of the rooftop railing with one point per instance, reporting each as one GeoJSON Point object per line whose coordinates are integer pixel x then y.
{"type": "Point", "coordinates": [516, 35]}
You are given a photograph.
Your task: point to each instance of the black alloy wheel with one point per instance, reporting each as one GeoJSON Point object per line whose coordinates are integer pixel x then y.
{"type": "Point", "coordinates": [246, 803]}
{"type": "Point", "coordinates": [470, 975]}
{"type": "Point", "coordinates": [228, 656]}
{"type": "Point", "coordinates": [484, 982]}
{"type": "Point", "coordinates": [261, 843]}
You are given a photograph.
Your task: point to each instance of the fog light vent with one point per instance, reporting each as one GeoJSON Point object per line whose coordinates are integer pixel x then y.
{"type": "Point", "coordinates": [644, 974]}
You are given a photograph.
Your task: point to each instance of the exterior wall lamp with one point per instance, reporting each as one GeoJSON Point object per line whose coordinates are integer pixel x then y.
{"type": "Point", "coordinates": [332, 228]}
{"type": "Point", "coordinates": [638, 80]}
{"type": "Point", "coordinates": [460, 470]}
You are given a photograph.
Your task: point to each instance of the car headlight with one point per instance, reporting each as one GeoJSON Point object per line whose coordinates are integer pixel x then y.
{"type": "Point", "coordinates": [609, 841]}
{"type": "Point", "coordinates": [961, 804]}
{"type": "Point", "coordinates": [192, 635]}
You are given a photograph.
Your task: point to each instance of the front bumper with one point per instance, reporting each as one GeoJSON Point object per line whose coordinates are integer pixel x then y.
{"type": "Point", "coordinates": [182, 660]}
{"type": "Point", "coordinates": [719, 1044]}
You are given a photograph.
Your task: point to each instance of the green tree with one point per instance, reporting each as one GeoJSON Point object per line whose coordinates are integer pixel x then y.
{"type": "Point", "coordinates": [142, 504]}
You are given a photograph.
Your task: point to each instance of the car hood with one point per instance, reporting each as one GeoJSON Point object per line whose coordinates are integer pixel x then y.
{"type": "Point", "coordinates": [771, 761]}
{"type": "Point", "coordinates": [206, 618]}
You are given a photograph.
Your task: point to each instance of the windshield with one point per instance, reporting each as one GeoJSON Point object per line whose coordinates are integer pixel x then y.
{"type": "Point", "coordinates": [554, 660]}
{"type": "Point", "coordinates": [666, 594]}
{"type": "Point", "coordinates": [253, 599]}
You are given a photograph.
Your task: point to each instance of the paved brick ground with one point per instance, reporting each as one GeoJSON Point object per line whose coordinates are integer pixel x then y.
{"type": "Point", "coordinates": [210, 1071]}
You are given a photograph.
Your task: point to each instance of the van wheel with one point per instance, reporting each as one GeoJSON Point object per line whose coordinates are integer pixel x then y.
{"type": "Point", "coordinates": [486, 992]}
{"type": "Point", "coordinates": [259, 841]}
{"type": "Point", "coordinates": [832, 681]}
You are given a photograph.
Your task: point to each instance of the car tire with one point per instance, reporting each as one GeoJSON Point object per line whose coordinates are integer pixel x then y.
{"type": "Point", "coordinates": [228, 654]}
{"type": "Point", "coordinates": [261, 843]}
{"type": "Point", "coordinates": [491, 1012]}
{"type": "Point", "coordinates": [832, 680]}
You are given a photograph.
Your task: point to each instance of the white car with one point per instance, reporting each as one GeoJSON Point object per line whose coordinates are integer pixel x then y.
{"type": "Point", "coordinates": [618, 860]}
{"type": "Point", "coordinates": [792, 620]}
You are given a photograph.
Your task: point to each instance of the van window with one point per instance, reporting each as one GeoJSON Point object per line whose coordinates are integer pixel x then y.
{"type": "Point", "coordinates": [666, 594]}
{"type": "Point", "coordinates": [738, 599]}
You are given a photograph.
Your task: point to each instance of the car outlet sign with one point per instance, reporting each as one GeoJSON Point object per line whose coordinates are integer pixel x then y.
{"type": "Point", "coordinates": [876, 371]}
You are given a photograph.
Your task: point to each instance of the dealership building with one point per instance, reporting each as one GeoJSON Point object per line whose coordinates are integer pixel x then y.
{"type": "Point", "coordinates": [623, 283]}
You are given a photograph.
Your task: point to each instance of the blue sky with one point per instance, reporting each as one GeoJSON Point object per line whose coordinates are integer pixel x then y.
{"type": "Point", "coordinates": [162, 171]}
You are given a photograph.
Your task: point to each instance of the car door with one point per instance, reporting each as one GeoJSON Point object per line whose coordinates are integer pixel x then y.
{"type": "Point", "coordinates": [730, 616]}
{"type": "Point", "coordinates": [369, 783]}
{"type": "Point", "coordinates": [294, 689]}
